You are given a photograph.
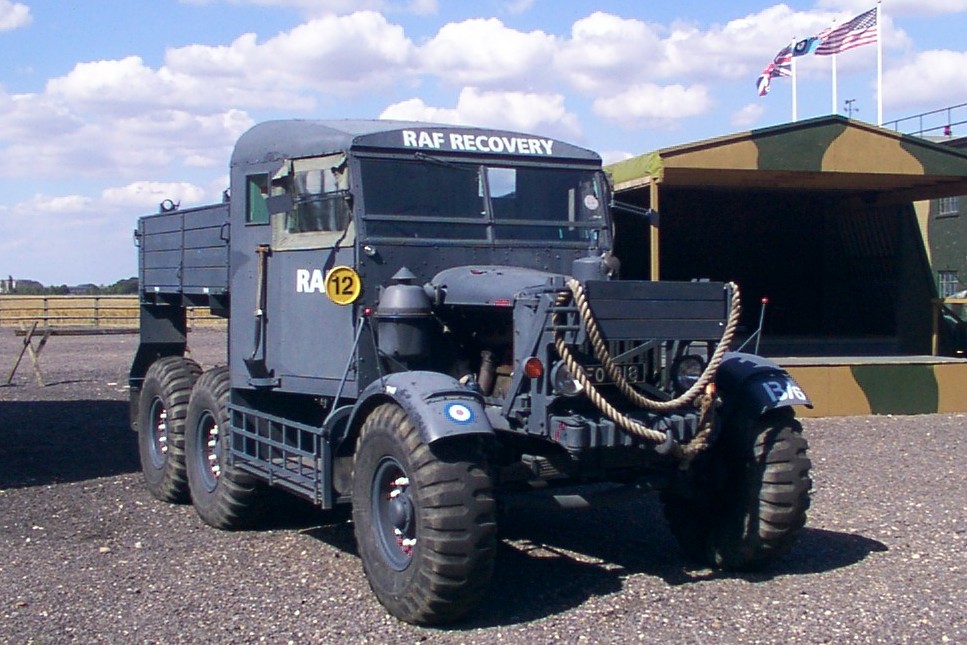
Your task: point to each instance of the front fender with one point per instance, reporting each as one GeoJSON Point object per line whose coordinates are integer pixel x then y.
{"type": "Point", "coordinates": [437, 404]}
{"type": "Point", "coordinates": [757, 385]}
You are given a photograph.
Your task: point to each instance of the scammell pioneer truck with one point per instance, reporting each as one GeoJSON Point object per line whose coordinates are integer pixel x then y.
{"type": "Point", "coordinates": [428, 322]}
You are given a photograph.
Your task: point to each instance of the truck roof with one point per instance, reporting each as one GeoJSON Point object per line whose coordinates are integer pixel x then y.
{"type": "Point", "coordinates": [294, 138]}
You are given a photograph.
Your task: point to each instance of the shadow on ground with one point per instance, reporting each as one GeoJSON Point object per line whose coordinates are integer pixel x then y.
{"type": "Point", "coordinates": [47, 442]}
{"type": "Point", "coordinates": [549, 562]}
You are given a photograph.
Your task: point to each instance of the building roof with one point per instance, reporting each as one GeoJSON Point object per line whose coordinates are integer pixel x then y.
{"type": "Point", "coordinates": [830, 153]}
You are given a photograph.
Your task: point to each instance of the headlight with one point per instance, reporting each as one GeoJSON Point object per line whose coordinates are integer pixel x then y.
{"type": "Point", "coordinates": [686, 371]}
{"type": "Point", "coordinates": [563, 381]}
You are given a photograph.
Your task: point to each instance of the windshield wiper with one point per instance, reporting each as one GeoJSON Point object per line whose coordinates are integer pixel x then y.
{"type": "Point", "coordinates": [422, 156]}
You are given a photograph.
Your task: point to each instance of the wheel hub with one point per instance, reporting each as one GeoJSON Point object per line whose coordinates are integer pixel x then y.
{"type": "Point", "coordinates": [394, 514]}
{"type": "Point", "coordinates": [159, 436]}
{"type": "Point", "coordinates": [212, 452]}
{"type": "Point", "coordinates": [401, 513]}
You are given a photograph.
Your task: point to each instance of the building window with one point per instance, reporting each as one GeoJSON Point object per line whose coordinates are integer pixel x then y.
{"type": "Point", "coordinates": [948, 206]}
{"type": "Point", "coordinates": [947, 283]}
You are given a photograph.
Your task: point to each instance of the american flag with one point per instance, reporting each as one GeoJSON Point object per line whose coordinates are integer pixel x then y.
{"type": "Point", "coordinates": [861, 30]}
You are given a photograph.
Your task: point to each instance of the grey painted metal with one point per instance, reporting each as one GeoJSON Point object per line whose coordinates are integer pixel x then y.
{"type": "Point", "coordinates": [184, 251]}
{"type": "Point", "coordinates": [438, 405]}
{"type": "Point", "coordinates": [449, 302]}
{"type": "Point", "coordinates": [757, 384]}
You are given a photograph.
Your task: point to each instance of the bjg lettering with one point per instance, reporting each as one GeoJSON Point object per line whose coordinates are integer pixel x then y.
{"type": "Point", "coordinates": [783, 391]}
{"type": "Point", "coordinates": [465, 142]}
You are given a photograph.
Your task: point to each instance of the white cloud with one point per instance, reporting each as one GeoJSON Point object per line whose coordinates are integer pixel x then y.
{"type": "Point", "coordinates": [614, 156]}
{"type": "Point", "coordinates": [605, 51]}
{"type": "Point", "coordinates": [90, 243]}
{"type": "Point", "coordinates": [337, 55]}
{"type": "Point", "coordinates": [518, 6]}
{"type": "Point", "coordinates": [486, 52]}
{"type": "Point", "coordinates": [653, 105]}
{"type": "Point", "coordinates": [14, 15]}
{"type": "Point", "coordinates": [42, 142]}
{"type": "Point", "coordinates": [522, 111]}
{"type": "Point", "coordinates": [747, 116]}
{"type": "Point", "coordinates": [93, 240]}
{"type": "Point", "coordinates": [141, 195]}
{"type": "Point", "coordinates": [606, 54]}
{"type": "Point", "coordinates": [60, 204]}
{"type": "Point", "coordinates": [925, 80]}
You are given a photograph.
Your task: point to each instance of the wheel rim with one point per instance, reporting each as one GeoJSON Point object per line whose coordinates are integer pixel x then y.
{"type": "Point", "coordinates": [209, 450]}
{"type": "Point", "coordinates": [394, 513]}
{"type": "Point", "coordinates": [158, 448]}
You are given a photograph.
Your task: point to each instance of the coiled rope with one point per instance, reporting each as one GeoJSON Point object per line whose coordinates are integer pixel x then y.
{"type": "Point", "coordinates": [699, 388]}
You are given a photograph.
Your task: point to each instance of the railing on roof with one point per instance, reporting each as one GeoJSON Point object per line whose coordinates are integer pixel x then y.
{"type": "Point", "coordinates": [941, 121]}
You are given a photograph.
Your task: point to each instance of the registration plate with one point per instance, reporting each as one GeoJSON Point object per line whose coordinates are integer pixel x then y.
{"type": "Point", "coordinates": [632, 372]}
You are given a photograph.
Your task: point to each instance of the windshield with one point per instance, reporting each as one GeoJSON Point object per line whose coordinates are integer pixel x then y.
{"type": "Point", "coordinates": [429, 198]}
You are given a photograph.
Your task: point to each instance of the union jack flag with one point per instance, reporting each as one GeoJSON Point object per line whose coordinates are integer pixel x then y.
{"type": "Point", "coordinates": [861, 30]}
{"type": "Point", "coordinates": [781, 65]}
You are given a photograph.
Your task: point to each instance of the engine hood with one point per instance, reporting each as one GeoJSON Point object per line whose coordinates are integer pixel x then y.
{"type": "Point", "coordinates": [486, 285]}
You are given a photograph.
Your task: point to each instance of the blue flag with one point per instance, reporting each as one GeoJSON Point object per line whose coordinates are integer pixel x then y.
{"type": "Point", "coordinates": [805, 46]}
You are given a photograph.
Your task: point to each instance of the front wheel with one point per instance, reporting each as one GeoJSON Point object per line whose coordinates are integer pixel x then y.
{"type": "Point", "coordinates": [424, 519]}
{"type": "Point", "coordinates": [162, 406]}
{"type": "Point", "coordinates": [751, 494]}
{"type": "Point", "coordinates": [223, 496]}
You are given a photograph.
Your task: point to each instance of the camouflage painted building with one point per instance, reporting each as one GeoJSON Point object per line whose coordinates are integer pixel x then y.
{"type": "Point", "coordinates": [820, 218]}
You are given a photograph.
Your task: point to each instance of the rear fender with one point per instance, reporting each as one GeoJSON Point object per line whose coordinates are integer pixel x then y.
{"type": "Point", "coordinates": [437, 404]}
{"type": "Point", "coordinates": [756, 385]}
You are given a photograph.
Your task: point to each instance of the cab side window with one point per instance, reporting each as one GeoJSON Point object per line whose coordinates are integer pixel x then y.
{"type": "Point", "coordinates": [319, 199]}
{"type": "Point", "coordinates": [315, 207]}
{"type": "Point", "coordinates": [257, 191]}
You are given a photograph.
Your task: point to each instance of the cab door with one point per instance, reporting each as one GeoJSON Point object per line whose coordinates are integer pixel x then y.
{"type": "Point", "coordinates": [305, 282]}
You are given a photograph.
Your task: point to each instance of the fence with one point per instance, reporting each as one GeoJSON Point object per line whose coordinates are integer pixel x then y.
{"type": "Point", "coordinates": [110, 313]}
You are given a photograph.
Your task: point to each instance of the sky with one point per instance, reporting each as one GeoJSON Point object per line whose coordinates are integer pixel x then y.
{"type": "Point", "coordinates": [109, 107]}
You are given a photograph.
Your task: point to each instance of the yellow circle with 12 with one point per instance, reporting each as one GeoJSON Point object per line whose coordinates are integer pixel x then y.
{"type": "Point", "coordinates": [343, 285]}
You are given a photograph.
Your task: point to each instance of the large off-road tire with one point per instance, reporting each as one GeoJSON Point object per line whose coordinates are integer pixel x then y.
{"type": "Point", "coordinates": [223, 496]}
{"type": "Point", "coordinates": [751, 497]}
{"type": "Point", "coordinates": [424, 519]}
{"type": "Point", "coordinates": [162, 407]}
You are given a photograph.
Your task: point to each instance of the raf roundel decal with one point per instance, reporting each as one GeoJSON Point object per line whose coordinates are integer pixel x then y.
{"type": "Point", "coordinates": [459, 413]}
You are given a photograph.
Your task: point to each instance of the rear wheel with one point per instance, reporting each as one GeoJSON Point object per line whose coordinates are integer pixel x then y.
{"type": "Point", "coordinates": [424, 519]}
{"type": "Point", "coordinates": [751, 498]}
{"type": "Point", "coordinates": [224, 497]}
{"type": "Point", "coordinates": [162, 408]}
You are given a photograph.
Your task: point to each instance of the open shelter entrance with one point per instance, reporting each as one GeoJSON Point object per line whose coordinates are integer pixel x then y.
{"type": "Point", "coordinates": [817, 217]}
{"type": "Point", "coordinates": [822, 220]}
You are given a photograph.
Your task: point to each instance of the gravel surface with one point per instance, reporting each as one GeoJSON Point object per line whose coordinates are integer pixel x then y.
{"type": "Point", "coordinates": [88, 556]}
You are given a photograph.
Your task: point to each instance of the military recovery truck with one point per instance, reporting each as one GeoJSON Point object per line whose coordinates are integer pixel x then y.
{"type": "Point", "coordinates": [428, 322]}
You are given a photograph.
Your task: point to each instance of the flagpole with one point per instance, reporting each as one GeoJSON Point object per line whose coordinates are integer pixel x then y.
{"type": "Point", "coordinates": [879, 65]}
{"type": "Point", "coordinates": [835, 98]}
{"type": "Point", "coordinates": [795, 112]}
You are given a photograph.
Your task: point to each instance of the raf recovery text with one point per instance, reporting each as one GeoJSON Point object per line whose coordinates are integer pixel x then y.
{"type": "Point", "coordinates": [473, 142]}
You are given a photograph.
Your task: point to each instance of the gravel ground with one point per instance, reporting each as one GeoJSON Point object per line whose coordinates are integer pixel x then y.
{"type": "Point", "coordinates": [89, 557]}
